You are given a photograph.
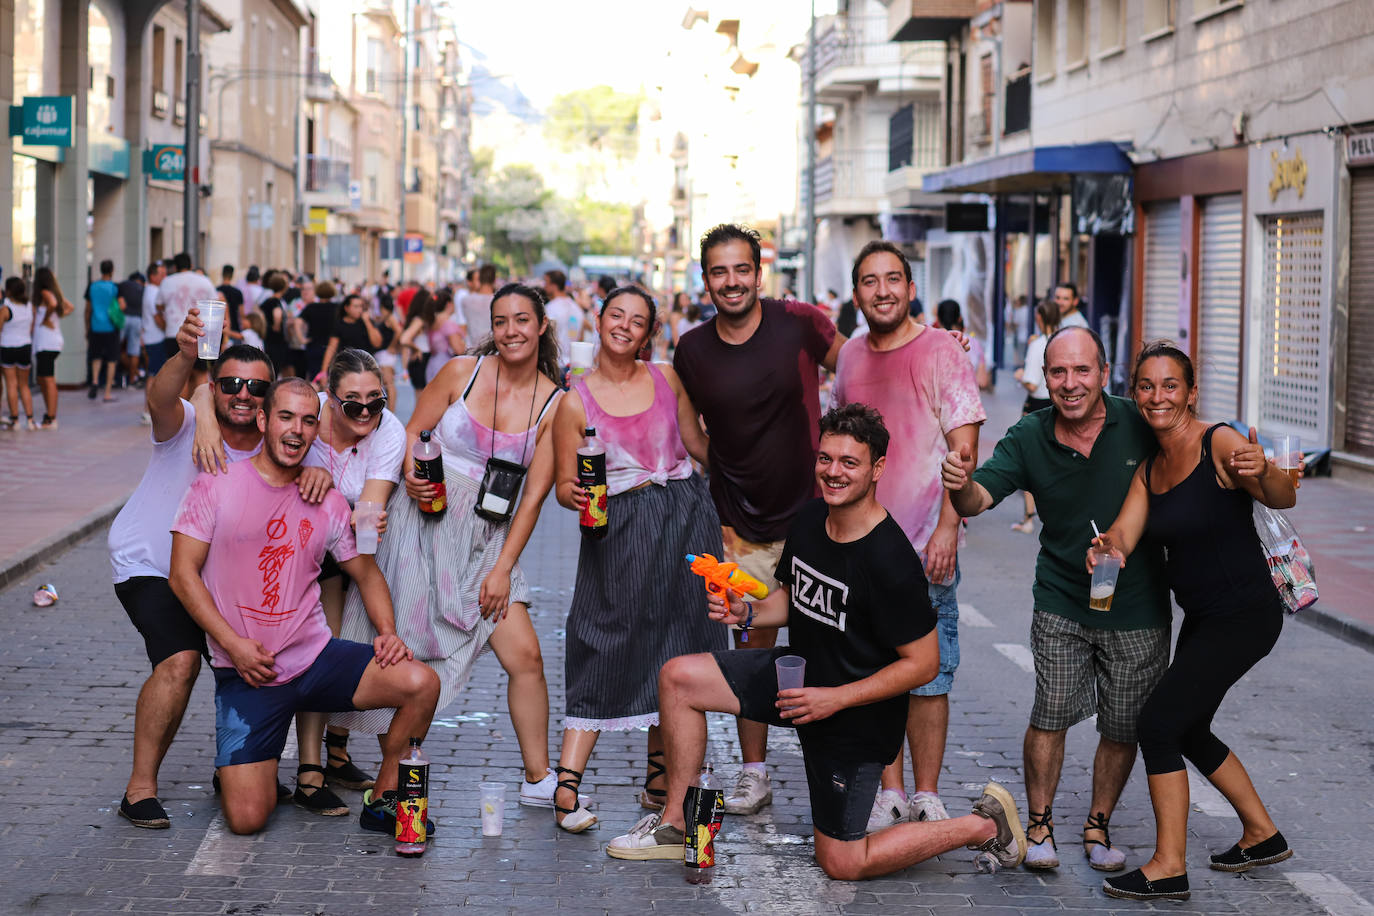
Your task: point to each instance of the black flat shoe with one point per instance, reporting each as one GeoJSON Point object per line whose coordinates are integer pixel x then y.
{"type": "Point", "coordinates": [147, 813]}
{"type": "Point", "coordinates": [1135, 886]}
{"type": "Point", "coordinates": [1274, 849]}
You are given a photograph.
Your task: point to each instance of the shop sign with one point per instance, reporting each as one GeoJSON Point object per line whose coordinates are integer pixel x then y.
{"type": "Point", "coordinates": [1359, 149]}
{"type": "Point", "coordinates": [1288, 174]}
{"type": "Point", "coordinates": [165, 162]}
{"type": "Point", "coordinates": [317, 222]}
{"type": "Point", "coordinates": [43, 120]}
{"type": "Point", "coordinates": [414, 249]}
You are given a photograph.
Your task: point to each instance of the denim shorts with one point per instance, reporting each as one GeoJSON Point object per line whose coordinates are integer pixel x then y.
{"type": "Point", "coordinates": [946, 606]}
{"type": "Point", "coordinates": [251, 722]}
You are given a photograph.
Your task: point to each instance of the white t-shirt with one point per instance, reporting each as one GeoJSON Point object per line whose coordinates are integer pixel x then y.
{"type": "Point", "coordinates": [18, 328]}
{"type": "Point", "coordinates": [152, 334]}
{"type": "Point", "coordinates": [251, 338]}
{"type": "Point", "coordinates": [178, 293]}
{"type": "Point", "coordinates": [46, 339]}
{"type": "Point", "coordinates": [1034, 371]}
{"type": "Point", "coordinates": [475, 309]}
{"type": "Point", "coordinates": [1073, 319]}
{"type": "Point", "coordinates": [140, 539]}
{"type": "Point", "coordinates": [567, 321]}
{"type": "Point", "coordinates": [377, 456]}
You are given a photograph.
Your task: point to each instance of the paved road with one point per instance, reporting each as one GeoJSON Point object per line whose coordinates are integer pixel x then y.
{"type": "Point", "coordinates": [1301, 722]}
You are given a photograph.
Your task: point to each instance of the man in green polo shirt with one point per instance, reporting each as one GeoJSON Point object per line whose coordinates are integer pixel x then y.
{"type": "Point", "coordinates": [1077, 458]}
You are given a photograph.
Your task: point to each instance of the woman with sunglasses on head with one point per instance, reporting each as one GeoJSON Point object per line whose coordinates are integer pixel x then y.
{"type": "Point", "coordinates": [636, 603]}
{"type": "Point", "coordinates": [362, 445]}
{"type": "Point", "coordinates": [455, 578]}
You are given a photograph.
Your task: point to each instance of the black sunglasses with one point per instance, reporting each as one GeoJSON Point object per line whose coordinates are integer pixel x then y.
{"type": "Point", "coordinates": [355, 409]}
{"type": "Point", "coordinates": [232, 385]}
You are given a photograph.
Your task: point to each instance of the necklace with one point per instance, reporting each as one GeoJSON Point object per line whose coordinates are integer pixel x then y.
{"type": "Point", "coordinates": [337, 476]}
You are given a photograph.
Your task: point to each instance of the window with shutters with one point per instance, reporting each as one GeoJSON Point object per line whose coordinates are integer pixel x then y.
{"type": "Point", "coordinates": [1290, 326]}
{"type": "Point", "coordinates": [1219, 307]}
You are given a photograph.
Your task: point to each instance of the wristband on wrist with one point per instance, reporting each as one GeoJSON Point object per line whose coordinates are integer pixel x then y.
{"type": "Point", "coordinates": [748, 621]}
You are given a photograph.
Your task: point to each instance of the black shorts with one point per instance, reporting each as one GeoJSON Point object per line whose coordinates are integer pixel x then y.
{"type": "Point", "coordinates": [15, 357]}
{"type": "Point", "coordinates": [1033, 404]}
{"type": "Point", "coordinates": [157, 614]}
{"type": "Point", "coordinates": [842, 791]}
{"type": "Point", "coordinates": [47, 362]}
{"type": "Point", "coordinates": [105, 346]}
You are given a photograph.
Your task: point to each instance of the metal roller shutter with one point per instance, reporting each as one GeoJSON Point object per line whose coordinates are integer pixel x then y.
{"type": "Point", "coordinates": [1219, 308]}
{"type": "Point", "coordinates": [1163, 267]}
{"type": "Point", "coordinates": [1289, 350]}
{"type": "Point", "coordinates": [1359, 390]}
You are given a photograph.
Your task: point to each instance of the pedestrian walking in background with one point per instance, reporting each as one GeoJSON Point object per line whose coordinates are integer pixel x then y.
{"type": "Point", "coordinates": [446, 337]}
{"type": "Point", "coordinates": [50, 307]}
{"type": "Point", "coordinates": [636, 603]}
{"type": "Point", "coordinates": [131, 335]}
{"type": "Point", "coordinates": [154, 322]}
{"type": "Point", "coordinates": [16, 352]}
{"type": "Point", "coordinates": [1078, 460]}
{"type": "Point", "coordinates": [275, 316]}
{"type": "Point", "coordinates": [104, 321]}
{"type": "Point", "coordinates": [414, 340]}
{"type": "Point", "coordinates": [924, 387]}
{"type": "Point", "coordinates": [177, 294]}
{"type": "Point", "coordinates": [233, 299]}
{"type": "Point", "coordinates": [1031, 375]}
{"type": "Point", "coordinates": [1196, 496]}
{"type": "Point", "coordinates": [389, 327]}
{"type": "Point", "coordinates": [353, 329]}
{"type": "Point", "coordinates": [456, 580]}
{"type": "Point", "coordinates": [318, 317]}
{"type": "Point", "coordinates": [950, 317]}
{"type": "Point", "coordinates": [475, 309]}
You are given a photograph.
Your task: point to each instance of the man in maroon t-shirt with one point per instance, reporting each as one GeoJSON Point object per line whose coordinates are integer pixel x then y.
{"type": "Point", "coordinates": [752, 372]}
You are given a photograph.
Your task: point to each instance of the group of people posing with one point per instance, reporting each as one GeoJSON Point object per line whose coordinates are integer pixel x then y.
{"type": "Point", "coordinates": [852, 518]}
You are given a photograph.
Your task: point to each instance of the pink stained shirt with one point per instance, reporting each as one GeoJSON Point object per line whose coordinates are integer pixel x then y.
{"type": "Point", "coordinates": [266, 545]}
{"type": "Point", "coordinates": [641, 448]}
{"type": "Point", "coordinates": [923, 389]}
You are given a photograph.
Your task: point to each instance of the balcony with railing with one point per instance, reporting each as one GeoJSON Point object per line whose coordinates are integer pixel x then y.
{"type": "Point", "coordinates": [913, 149]}
{"type": "Point", "coordinates": [928, 20]}
{"type": "Point", "coordinates": [853, 52]}
{"type": "Point", "coordinates": [319, 85]}
{"type": "Point", "coordinates": [326, 181]}
{"type": "Point", "coordinates": [850, 182]}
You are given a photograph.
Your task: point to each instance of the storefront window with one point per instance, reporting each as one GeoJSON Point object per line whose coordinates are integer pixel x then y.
{"type": "Point", "coordinates": [22, 223]}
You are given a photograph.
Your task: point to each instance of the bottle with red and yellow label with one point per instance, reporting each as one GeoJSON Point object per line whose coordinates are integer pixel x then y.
{"type": "Point", "coordinates": [412, 802]}
{"type": "Point", "coordinates": [429, 465]}
{"type": "Point", "coordinates": [591, 476]}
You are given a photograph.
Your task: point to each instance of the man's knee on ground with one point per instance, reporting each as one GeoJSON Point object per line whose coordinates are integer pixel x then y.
{"type": "Point", "coordinates": [180, 668]}
{"type": "Point", "coordinates": [248, 814]}
{"type": "Point", "coordinates": [841, 860]}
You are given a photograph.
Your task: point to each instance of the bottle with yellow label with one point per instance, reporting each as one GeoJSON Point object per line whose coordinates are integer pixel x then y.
{"type": "Point", "coordinates": [591, 476]}
{"type": "Point", "coordinates": [412, 802]}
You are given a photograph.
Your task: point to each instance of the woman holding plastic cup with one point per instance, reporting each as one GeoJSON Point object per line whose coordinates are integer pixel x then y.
{"type": "Point", "coordinates": [1196, 496]}
{"type": "Point", "coordinates": [455, 577]}
{"type": "Point", "coordinates": [636, 602]}
{"type": "Point", "coordinates": [362, 445]}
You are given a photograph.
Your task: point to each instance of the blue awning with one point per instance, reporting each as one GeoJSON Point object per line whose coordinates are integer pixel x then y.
{"type": "Point", "coordinates": [1041, 168]}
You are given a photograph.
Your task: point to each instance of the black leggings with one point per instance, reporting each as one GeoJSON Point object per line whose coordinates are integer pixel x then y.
{"type": "Point", "coordinates": [1214, 651]}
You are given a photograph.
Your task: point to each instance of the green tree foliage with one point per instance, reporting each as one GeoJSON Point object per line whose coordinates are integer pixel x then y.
{"type": "Point", "coordinates": [598, 119]}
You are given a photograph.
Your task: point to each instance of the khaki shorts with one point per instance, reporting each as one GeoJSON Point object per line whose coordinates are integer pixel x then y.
{"type": "Point", "coordinates": [758, 560]}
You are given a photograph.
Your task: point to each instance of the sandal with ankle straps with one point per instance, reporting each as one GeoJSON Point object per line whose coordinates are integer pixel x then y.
{"type": "Point", "coordinates": [1044, 854]}
{"type": "Point", "coordinates": [577, 818]}
{"type": "Point", "coordinates": [654, 799]}
{"type": "Point", "coordinates": [342, 771]}
{"type": "Point", "coordinates": [1102, 855]}
{"type": "Point", "coordinates": [317, 799]}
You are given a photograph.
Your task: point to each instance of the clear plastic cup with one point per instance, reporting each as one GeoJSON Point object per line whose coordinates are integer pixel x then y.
{"type": "Point", "coordinates": [583, 352]}
{"type": "Point", "coordinates": [1288, 455]}
{"type": "Point", "coordinates": [1103, 586]}
{"type": "Point", "coordinates": [493, 799]}
{"type": "Point", "coordinates": [365, 517]}
{"type": "Point", "coordinates": [791, 672]}
{"type": "Point", "coordinates": [212, 313]}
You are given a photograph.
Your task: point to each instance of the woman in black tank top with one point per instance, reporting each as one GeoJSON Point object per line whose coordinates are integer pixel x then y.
{"type": "Point", "coordinates": [1197, 496]}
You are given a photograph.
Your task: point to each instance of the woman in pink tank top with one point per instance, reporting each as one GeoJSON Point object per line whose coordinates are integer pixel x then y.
{"type": "Point", "coordinates": [636, 603]}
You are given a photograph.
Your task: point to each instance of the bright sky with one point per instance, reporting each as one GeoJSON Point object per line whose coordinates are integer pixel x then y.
{"type": "Point", "coordinates": [552, 46]}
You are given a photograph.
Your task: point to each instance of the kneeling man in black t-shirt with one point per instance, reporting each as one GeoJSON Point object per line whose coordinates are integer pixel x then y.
{"type": "Point", "coordinates": [855, 602]}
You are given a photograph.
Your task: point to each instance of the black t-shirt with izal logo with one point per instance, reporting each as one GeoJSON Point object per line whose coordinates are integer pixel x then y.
{"type": "Point", "coordinates": [850, 606]}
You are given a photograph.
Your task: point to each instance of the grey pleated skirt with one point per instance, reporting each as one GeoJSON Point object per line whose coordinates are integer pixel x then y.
{"type": "Point", "coordinates": [434, 568]}
{"type": "Point", "coordinates": [637, 604]}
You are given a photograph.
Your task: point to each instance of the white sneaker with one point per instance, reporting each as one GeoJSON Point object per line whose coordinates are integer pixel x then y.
{"type": "Point", "coordinates": [540, 794]}
{"type": "Point", "coordinates": [889, 807]}
{"type": "Point", "coordinates": [926, 806]}
{"type": "Point", "coordinates": [751, 792]}
{"type": "Point", "coordinates": [650, 838]}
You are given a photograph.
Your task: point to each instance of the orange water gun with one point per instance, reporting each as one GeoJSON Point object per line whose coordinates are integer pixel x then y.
{"type": "Point", "coordinates": [723, 578]}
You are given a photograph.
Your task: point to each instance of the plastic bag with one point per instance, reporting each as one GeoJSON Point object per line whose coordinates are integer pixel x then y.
{"type": "Point", "coordinates": [1290, 565]}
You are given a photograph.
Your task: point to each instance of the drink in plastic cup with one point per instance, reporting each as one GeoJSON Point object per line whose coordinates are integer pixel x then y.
{"type": "Point", "coordinates": [1104, 581]}
{"type": "Point", "coordinates": [1288, 456]}
{"type": "Point", "coordinates": [212, 313]}
{"type": "Point", "coordinates": [493, 797]}
{"type": "Point", "coordinates": [365, 525]}
{"type": "Point", "coordinates": [791, 671]}
{"type": "Point", "coordinates": [582, 353]}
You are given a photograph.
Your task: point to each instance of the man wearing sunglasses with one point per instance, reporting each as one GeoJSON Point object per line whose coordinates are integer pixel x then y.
{"type": "Point", "coordinates": [140, 543]}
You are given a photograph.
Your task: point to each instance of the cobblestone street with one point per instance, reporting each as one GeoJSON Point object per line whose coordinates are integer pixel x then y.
{"type": "Point", "coordinates": [70, 674]}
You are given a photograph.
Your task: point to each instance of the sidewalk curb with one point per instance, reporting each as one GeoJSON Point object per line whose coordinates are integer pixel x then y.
{"type": "Point", "coordinates": [58, 543]}
{"type": "Point", "coordinates": [1344, 628]}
